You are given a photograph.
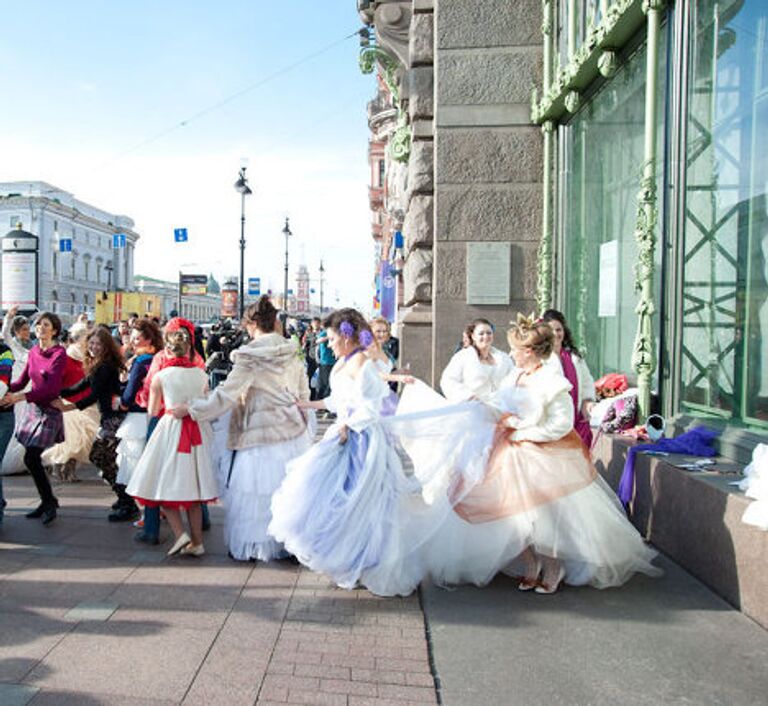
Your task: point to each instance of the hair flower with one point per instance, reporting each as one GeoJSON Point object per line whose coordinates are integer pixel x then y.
{"type": "Point", "coordinates": [346, 329]}
{"type": "Point", "coordinates": [366, 338]}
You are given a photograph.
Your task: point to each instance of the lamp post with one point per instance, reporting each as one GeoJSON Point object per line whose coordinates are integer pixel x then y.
{"type": "Point", "coordinates": [287, 233]}
{"type": "Point", "coordinates": [322, 274]}
{"type": "Point", "coordinates": [109, 267]}
{"type": "Point", "coordinates": [241, 186]}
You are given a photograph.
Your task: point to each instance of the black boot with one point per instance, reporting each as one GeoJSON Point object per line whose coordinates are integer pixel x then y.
{"type": "Point", "coordinates": [41, 509]}
{"type": "Point", "coordinates": [49, 515]}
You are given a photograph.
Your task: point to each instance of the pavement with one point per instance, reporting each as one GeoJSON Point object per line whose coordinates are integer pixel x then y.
{"type": "Point", "coordinates": [87, 617]}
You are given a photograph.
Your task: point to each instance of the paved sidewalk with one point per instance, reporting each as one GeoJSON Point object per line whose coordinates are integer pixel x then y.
{"type": "Point", "coordinates": [87, 617]}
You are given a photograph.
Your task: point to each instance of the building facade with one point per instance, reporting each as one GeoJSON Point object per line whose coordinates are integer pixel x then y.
{"type": "Point", "coordinates": [70, 281]}
{"type": "Point", "coordinates": [199, 308]}
{"type": "Point", "coordinates": [611, 153]}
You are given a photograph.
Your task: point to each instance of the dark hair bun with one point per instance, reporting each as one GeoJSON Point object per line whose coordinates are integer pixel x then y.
{"type": "Point", "coordinates": [263, 313]}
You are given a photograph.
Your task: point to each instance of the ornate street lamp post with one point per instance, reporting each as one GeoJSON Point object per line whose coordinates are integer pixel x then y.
{"type": "Point", "coordinates": [287, 233]}
{"type": "Point", "coordinates": [241, 186]}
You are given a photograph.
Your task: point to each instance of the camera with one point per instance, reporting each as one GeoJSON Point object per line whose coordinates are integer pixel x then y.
{"type": "Point", "coordinates": [224, 339]}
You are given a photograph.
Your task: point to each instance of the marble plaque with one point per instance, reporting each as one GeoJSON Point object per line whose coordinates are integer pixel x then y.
{"type": "Point", "coordinates": [488, 273]}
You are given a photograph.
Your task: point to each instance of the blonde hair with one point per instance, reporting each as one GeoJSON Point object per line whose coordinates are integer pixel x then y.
{"type": "Point", "coordinates": [178, 342]}
{"type": "Point", "coordinates": [527, 333]}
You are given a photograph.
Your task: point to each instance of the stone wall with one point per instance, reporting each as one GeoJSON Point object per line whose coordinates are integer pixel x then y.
{"type": "Point", "coordinates": [487, 157]}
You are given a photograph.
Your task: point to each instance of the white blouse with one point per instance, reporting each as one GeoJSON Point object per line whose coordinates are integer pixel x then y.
{"type": "Point", "coordinates": [465, 376]}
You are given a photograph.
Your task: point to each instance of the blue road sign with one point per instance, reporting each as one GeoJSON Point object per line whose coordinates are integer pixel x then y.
{"type": "Point", "coordinates": [118, 240]}
{"type": "Point", "coordinates": [65, 245]}
{"type": "Point", "coordinates": [180, 235]}
{"type": "Point", "coordinates": [254, 286]}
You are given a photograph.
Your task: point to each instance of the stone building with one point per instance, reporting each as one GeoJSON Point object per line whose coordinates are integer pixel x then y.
{"type": "Point", "coordinates": [616, 149]}
{"type": "Point", "coordinates": [463, 160]}
{"type": "Point", "coordinates": [70, 281]}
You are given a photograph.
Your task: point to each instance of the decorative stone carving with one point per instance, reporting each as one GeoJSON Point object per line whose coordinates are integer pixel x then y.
{"type": "Point", "coordinates": [572, 101]}
{"type": "Point", "coordinates": [608, 63]}
{"type": "Point", "coordinates": [417, 277]}
{"type": "Point", "coordinates": [397, 186]}
{"type": "Point", "coordinates": [392, 20]}
{"type": "Point", "coordinates": [421, 92]}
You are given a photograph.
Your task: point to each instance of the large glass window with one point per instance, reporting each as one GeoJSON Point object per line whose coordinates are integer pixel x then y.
{"type": "Point", "coordinates": [601, 166]}
{"type": "Point", "coordinates": [724, 355]}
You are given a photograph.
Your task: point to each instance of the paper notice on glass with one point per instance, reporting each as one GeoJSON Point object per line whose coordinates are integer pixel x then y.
{"type": "Point", "coordinates": [488, 273]}
{"type": "Point", "coordinates": [609, 279]}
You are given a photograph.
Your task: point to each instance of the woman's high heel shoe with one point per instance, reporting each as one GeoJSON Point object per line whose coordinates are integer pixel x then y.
{"type": "Point", "coordinates": [552, 585]}
{"type": "Point", "coordinates": [531, 578]}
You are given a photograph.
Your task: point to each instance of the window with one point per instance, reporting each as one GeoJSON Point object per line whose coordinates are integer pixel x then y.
{"type": "Point", "coordinates": [599, 184]}
{"type": "Point", "coordinates": [382, 173]}
{"type": "Point", "coordinates": [98, 272]}
{"type": "Point", "coordinates": [86, 267]}
{"type": "Point", "coordinates": [724, 348]}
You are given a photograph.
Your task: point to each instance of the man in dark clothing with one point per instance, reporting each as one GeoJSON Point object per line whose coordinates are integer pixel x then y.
{"type": "Point", "coordinates": [309, 345]}
{"type": "Point", "coordinates": [325, 360]}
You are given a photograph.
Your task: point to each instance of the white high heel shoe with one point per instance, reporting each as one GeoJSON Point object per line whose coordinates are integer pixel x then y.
{"type": "Point", "coordinates": [180, 543]}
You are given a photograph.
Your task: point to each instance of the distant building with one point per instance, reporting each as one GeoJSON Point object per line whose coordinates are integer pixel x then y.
{"type": "Point", "coordinates": [196, 307]}
{"type": "Point", "coordinates": [69, 281]}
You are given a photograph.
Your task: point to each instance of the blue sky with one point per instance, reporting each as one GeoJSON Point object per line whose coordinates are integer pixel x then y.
{"type": "Point", "coordinates": [94, 93]}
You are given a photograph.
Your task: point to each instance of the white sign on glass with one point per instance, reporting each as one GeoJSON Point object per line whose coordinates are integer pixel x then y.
{"type": "Point", "coordinates": [488, 273]}
{"type": "Point", "coordinates": [609, 279]}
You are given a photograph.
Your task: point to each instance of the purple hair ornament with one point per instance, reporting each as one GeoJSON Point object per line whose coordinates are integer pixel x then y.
{"type": "Point", "coordinates": [346, 329]}
{"type": "Point", "coordinates": [366, 338]}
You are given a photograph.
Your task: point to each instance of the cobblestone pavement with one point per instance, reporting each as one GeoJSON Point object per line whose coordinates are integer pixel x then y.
{"type": "Point", "coordinates": [87, 616]}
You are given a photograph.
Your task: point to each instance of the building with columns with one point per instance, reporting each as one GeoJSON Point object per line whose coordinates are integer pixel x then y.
{"type": "Point", "coordinates": [70, 281]}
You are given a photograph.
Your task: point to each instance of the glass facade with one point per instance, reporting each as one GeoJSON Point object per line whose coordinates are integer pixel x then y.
{"type": "Point", "coordinates": [724, 356]}
{"type": "Point", "coordinates": [713, 290]}
{"type": "Point", "coordinates": [601, 162]}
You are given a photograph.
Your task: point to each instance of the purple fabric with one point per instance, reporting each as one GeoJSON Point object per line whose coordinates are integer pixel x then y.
{"type": "Point", "coordinates": [695, 442]}
{"type": "Point", "coordinates": [45, 368]}
{"type": "Point", "coordinates": [580, 424]}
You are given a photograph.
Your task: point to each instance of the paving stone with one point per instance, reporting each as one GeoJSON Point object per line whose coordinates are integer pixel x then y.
{"type": "Point", "coordinates": [16, 694]}
{"type": "Point", "coordinates": [92, 611]}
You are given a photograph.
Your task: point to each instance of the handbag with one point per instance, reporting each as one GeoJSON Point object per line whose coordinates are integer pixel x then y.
{"type": "Point", "coordinates": [41, 427]}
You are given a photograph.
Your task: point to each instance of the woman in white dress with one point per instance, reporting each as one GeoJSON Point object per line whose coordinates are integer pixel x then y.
{"type": "Point", "coordinates": [146, 340]}
{"type": "Point", "coordinates": [175, 470]}
{"type": "Point", "coordinates": [266, 429]}
{"type": "Point", "coordinates": [339, 508]}
{"type": "Point", "coordinates": [476, 372]}
{"type": "Point", "coordinates": [540, 501]}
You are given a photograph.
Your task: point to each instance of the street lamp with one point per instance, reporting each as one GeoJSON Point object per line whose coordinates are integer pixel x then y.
{"type": "Point", "coordinates": [287, 233]}
{"type": "Point", "coordinates": [241, 186]}
{"type": "Point", "coordinates": [322, 274]}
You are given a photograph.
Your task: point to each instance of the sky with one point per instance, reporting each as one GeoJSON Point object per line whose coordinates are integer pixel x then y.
{"type": "Point", "coordinates": [148, 108]}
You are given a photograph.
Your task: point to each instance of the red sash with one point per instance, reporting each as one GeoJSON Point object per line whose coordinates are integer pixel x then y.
{"type": "Point", "coordinates": [190, 434]}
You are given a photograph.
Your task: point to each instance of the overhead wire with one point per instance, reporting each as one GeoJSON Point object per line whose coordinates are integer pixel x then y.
{"type": "Point", "coordinates": [228, 99]}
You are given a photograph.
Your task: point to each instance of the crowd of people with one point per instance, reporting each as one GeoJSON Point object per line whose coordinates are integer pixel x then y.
{"type": "Point", "coordinates": [499, 477]}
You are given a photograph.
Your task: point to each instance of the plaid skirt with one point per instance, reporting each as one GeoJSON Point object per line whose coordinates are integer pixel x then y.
{"type": "Point", "coordinates": [41, 427]}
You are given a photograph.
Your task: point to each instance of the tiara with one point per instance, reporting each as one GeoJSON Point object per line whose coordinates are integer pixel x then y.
{"type": "Point", "coordinates": [525, 323]}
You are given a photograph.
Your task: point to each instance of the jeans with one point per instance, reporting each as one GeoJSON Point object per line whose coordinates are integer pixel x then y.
{"type": "Point", "coordinates": [7, 422]}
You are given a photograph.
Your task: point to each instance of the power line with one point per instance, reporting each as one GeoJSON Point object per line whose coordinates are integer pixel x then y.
{"type": "Point", "coordinates": [229, 99]}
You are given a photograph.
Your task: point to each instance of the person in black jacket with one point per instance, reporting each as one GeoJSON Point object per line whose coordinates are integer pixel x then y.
{"type": "Point", "coordinates": [103, 365]}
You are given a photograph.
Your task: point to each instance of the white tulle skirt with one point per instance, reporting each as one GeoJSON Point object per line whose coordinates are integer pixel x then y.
{"type": "Point", "coordinates": [493, 499]}
{"type": "Point", "coordinates": [80, 430]}
{"type": "Point", "coordinates": [340, 508]}
{"type": "Point", "coordinates": [252, 477]}
{"type": "Point", "coordinates": [133, 439]}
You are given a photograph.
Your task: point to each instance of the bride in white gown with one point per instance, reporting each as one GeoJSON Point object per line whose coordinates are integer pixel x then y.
{"type": "Point", "coordinates": [523, 495]}
{"type": "Point", "coordinates": [339, 508]}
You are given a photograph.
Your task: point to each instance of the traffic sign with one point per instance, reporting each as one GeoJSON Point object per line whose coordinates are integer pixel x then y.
{"type": "Point", "coordinates": [180, 235]}
{"type": "Point", "coordinates": [65, 245]}
{"type": "Point", "coordinates": [254, 286]}
{"type": "Point", "coordinates": [118, 240]}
